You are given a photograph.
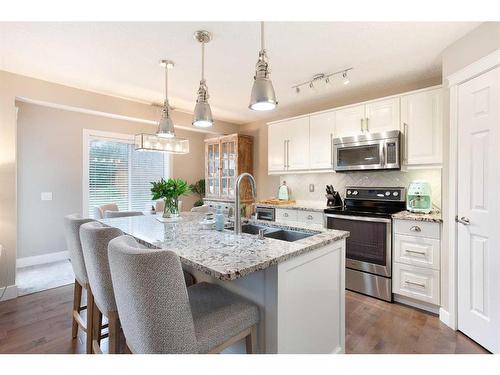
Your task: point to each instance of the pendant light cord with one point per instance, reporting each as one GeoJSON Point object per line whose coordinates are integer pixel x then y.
{"type": "Point", "coordinates": [262, 46]}
{"type": "Point", "coordinates": [203, 61]}
{"type": "Point", "coordinates": [166, 83]}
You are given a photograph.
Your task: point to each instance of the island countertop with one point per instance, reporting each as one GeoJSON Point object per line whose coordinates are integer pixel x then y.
{"type": "Point", "coordinates": [222, 255]}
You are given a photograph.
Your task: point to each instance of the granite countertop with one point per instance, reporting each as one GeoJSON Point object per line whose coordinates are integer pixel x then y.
{"type": "Point", "coordinates": [222, 255]}
{"type": "Point", "coordinates": [317, 206]}
{"type": "Point", "coordinates": [434, 216]}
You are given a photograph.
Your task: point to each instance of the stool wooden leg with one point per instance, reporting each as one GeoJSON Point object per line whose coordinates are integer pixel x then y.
{"type": "Point", "coordinates": [77, 300]}
{"type": "Point", "coordinates": [96, 330]}
{"type": "Point", "coordinates": [90, 319]}
{"type": "Point", "coordinates": [251, 341]}
{"type": "Point", "coordinates": [114, 332]}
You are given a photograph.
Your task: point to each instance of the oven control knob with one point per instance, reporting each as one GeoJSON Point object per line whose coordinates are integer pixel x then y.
{"type": "Point", "coordinates": [348, 192]}
{"type": "Point", "coordinates": [395, 193]}
{"type": "Point", "coordinates": [387, 193]}
{"type": "Point", "coordinates": [355, 192]}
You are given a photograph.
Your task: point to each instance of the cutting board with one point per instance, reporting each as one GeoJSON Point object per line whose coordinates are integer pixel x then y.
{"type": "Point", "coordinates": [276, 202]}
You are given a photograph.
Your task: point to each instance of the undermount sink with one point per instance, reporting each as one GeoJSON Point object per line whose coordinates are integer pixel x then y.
{"type": "Point", "coordinates": [287, 235]}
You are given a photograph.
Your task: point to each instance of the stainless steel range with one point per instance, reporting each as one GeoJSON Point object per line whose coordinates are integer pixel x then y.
{"type": "Point", "coordinates": [366, 214]}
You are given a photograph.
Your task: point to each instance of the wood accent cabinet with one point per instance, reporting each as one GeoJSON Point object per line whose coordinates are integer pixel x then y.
{"type": "Point", "coordinates": [226, 157]}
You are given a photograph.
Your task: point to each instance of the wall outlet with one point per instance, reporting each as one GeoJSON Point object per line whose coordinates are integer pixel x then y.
{"type": "Point", "coordinates": [46, 196]}
{"type": "Point", "coordinates": [311, 188]}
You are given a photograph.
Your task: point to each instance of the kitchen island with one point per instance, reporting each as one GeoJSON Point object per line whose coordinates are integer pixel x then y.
{"type": "Point", "coordinates": [299, 285]}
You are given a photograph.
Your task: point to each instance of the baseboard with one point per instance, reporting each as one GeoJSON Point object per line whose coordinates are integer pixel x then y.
{"type": "Point", "coordinates": [418, 304]}
{"type": "Point", "coordinates": [9, 293]}
{"type": "Point", "coordinates": [41, 259]}
{"type": "Point", "coordinates": [444, 316]}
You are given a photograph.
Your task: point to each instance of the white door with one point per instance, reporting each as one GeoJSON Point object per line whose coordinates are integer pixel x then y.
{"type": "Point", "coordinates": [349, 121]}
{"type": "Point", "coordinates": [297, 133]}
{"type": "Point", "coordinates": [321, 133]}
{"type": "Point", "coordinates": [479, 204]}
{"type": "Point", "coordinates": [382, 115]}
{"type": "Point", "coordinates": [276, 148]}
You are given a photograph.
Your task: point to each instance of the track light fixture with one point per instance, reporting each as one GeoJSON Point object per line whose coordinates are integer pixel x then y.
{"type": "Point", "coordinates": [322, 79]}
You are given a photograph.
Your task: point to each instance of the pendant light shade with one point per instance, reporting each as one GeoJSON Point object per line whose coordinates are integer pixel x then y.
{"type": "Point", "coordinates": [202, 116]}
{"type": "Point", "coordinates": [164, 140]}
{"type": "Point", "coordinates": [262, 97]}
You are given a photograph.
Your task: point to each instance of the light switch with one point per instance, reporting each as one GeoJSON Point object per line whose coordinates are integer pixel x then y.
{"type": "Point", "coordinates": [311, 188]}
{"type": "Point", "coordinates": [46, 196]}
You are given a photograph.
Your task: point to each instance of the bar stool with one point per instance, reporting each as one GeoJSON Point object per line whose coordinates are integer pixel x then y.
{"type": "Point", "coordinates": [160, 315]}
{"type": "Point", "coordinates": [95, 238]}
{"type": "Point", "coordinates": [72, 225]}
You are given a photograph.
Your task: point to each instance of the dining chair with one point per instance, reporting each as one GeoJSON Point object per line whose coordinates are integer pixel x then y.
{"type": "Point", "coordinates": [204, 208]}
{"type": "Point", "coordinates": [99, 211]}
{"type": "Point", "coordinates": [111, 214]}
{"type": "Point", "coordinates": [160, 315]}
{"type": "Point", "coordinates": [72, 225]}
{"type": "Point", "coordinates": [95, 238]}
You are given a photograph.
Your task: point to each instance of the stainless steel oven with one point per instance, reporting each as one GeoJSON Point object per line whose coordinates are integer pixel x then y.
{"type": "Point", "coordinates": [367, 217]}
{"type": "Point", "coordinates": [371, 151]}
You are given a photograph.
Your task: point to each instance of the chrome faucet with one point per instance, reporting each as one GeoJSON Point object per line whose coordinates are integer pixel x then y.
{"type": "Point", "coordinates": [237, 211]}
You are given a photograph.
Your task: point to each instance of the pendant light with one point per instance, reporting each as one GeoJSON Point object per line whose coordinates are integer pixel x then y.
{"type": "Point", "coordinates": [202, 117]}
{"type": "Point", "coordinates": [164, 140]}
{"type": "Point", "coordinates": [263, 97]}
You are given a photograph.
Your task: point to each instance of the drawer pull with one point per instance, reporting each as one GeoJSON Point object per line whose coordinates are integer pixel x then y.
{"type": "Point", "coordinates": [416, 228]}
{"type": "Point", "coordinates": [414, 283]}
{"type": "Point", "coordinates": [285, 214]}
{"type": "Point", "coordinates": [416, 252]}
{"type": "Point", "coordinates": [309, 217]}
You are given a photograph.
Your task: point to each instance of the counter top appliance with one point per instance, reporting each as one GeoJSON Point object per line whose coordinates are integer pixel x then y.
{"type": "Point", "coordinates": [366, 214]}
{"type": "Point", "coordinates": [419, 197]}
{"type": "Point", "coordinates": [371, 151]}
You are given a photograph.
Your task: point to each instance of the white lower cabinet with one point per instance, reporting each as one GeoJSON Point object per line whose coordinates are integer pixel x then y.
{"type": "Point", "coordinates": [287, 215]}
{"type": "Point", "coordinates": [416, 282]}
{"type": "Point", "coordinates": [416, 263]}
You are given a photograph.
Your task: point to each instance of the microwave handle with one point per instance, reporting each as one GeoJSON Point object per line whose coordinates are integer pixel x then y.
{"type": "Point", "coordinates": [383, 161]}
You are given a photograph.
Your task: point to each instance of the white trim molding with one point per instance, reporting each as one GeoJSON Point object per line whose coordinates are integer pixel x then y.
{"type": "Point", "coordinates": [42, 259]}
{"type": "Point", "coordinates": [10, 292]}
{"type": "Point", "coordinates": [471, 71]}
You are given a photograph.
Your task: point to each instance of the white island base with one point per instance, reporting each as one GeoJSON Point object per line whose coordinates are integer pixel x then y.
{"type": "Point", "coordinates": [302, 302]}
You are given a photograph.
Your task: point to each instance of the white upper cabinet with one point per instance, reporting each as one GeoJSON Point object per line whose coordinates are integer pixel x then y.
{"type": "Point", "coordinates": [321, 133]}
{"type": "Point", "coordinates": [276, 147]}
{"type": "Point", "coordinates": [382, 115]}
{"type": "Point", "coordinates": [349, 121]}
{"type": "Point", "coordinates": [422, 126]}
{"type": "Point", "coordinates": [297, 136]}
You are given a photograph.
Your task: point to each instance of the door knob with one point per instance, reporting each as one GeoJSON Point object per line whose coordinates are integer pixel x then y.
{"type": "Point", "coordinates": [463, 220]}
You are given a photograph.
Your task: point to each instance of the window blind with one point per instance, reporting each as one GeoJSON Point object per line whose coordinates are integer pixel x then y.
{"type": "Point", "coordinates": [119, 174]}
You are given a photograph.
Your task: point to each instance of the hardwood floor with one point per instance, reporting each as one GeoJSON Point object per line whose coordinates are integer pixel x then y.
{"type": "Point", "coordinates": [41, 323]}
{"type": "Point", "coordinates": [375, 326]}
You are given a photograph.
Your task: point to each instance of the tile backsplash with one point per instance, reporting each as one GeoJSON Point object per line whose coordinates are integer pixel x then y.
{"type": "Point", "coordinates": [299, 183]}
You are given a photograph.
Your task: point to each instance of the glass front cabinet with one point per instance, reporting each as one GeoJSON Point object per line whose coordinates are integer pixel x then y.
{"type": "Point", "coordinates": [225, 158]}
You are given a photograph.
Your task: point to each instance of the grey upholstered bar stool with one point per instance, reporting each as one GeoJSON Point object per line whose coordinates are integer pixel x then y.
{"type": "Point", "coordinates": [72, 225]}
{"type": "Point", "coordinates": [160, 315]}
{"type": "Point", "coordinates": [99, 211]}
{"type": "Point", "coordinates": [111, 214]}
{"type": "Point", "coordinates": [95, 238]}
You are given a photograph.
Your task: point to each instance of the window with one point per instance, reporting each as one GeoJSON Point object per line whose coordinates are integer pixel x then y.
{"type": "Point", "coordinates": [116, 173]}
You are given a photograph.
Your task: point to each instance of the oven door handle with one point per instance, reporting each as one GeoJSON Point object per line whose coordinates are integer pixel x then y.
{"type": "Point", "coordinates": [360, 218]}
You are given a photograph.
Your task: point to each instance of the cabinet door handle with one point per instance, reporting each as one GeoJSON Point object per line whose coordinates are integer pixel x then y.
{"type": "Point", "coordinates": [285, 214]}
{"type": "Point", "coordinates": [405, 151]}
{"type": "Point", "coordinates": [309, 217]}
{"type": "Point", "coordinates": [362, 131]}
{"type": "Point", "coordinates": [414, 283]}
{"type": "Point", "coordinates": [416, 228]}
{"type": "Point", "coordinates": [367, 125]}
{"type": "Point", "coordinates": [463, 220]}
{"type": "Point", "coordinates": [415, 252]}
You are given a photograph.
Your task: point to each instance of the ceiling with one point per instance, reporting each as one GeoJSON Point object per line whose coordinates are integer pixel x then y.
{"type": "Point", "coordinates": [122, 58]}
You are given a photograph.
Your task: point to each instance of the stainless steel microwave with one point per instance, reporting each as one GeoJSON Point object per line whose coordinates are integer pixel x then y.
{"type": "Point", "coordinates": [369, 151]}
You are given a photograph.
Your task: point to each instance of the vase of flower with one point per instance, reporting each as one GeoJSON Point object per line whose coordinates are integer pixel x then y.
{"type": "Point", "coordinates": [170, 190]}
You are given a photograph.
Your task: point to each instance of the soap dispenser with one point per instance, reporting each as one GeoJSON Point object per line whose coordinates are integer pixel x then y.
{"type": "Point", "coordinates": [284, 192]}
{"type": "Point", "coordinates": [219, 219]}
